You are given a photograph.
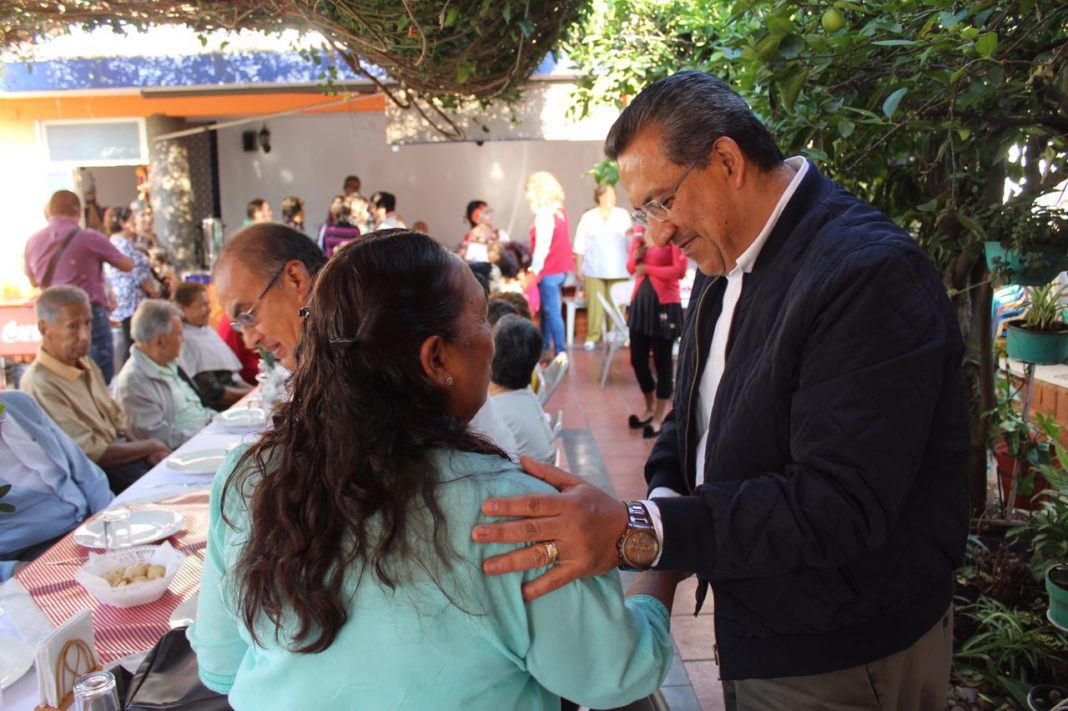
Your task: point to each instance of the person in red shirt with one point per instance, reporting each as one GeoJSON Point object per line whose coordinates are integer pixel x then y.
{"type": "Point", "coordinates": [550, 241]}
{"type": "Point", "coordinates": [250, 359]}
{"type": "Point", "coordinates": [655, 322]}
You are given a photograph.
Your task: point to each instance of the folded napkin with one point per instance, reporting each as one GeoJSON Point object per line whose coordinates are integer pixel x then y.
{"type": "Point", "coordinates": [62, 657]}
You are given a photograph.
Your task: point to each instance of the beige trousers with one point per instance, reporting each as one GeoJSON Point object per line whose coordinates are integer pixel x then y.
{"type": "Point", "coordinates": [914, 679]}
{"type": "Point", "coordinates": [595, 315]}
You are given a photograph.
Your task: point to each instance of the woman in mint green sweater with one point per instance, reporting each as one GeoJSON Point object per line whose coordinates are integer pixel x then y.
{"type": "Point", "coordinates": [340, 571]}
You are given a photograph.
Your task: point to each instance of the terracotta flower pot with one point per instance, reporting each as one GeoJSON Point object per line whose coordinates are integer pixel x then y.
{"type": "Point", "coordinates": [1005, 464]}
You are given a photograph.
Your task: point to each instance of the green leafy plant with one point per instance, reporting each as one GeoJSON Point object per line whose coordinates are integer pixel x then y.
{"type": "Point", "coordinates": [1046, 531]}
{"type": "Point", "coordinates": [1023, 227]}
{"type": "Point", "coordinates": [436, 54]}
{"type": "Point", "coordinates": [605, 172]}
{"type": "Point", "coordinates": [267, 357]}
{"type": "Point", "coordinates": [1045, 309]}
{"type": "Point", "coordinates": [1011, 648]}
{"type": "Point", "coordinates": [1033, 441]}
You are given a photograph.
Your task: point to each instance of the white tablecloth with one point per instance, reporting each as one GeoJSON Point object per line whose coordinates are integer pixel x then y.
{"type": "Point", "coordinates": [24, 620]}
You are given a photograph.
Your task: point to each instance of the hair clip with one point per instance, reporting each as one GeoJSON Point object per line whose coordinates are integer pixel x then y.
{"type": "Point", "coordinates": [343, 341]}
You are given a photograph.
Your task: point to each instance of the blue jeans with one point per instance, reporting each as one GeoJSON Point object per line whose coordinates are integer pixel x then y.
{"type": "Point", "coordinates": [103, 349]}
{"type": "Point", "coordinates": [552, 321]}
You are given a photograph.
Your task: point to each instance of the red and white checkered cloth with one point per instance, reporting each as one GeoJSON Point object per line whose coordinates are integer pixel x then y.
{"type": "Point", "coordinates": [120, 632]}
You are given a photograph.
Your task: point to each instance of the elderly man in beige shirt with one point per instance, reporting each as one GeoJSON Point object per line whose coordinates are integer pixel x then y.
{"type": "Point", "coordinates": [71, 389]}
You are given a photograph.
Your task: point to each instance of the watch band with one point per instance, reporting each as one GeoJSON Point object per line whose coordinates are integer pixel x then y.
{"type": "Point", "coordinates": [640, 527]}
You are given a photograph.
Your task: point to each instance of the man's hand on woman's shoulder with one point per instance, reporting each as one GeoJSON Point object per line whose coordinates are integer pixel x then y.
{"type": "Point", "coordinates": [584, 522]}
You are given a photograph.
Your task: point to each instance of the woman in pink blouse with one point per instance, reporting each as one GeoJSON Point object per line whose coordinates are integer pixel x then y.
{"type": "Point", "coordinates": [655, 321]}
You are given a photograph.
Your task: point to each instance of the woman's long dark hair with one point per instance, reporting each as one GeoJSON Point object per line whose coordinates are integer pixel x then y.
{"type": "Point", "coordinates": [334, 483]}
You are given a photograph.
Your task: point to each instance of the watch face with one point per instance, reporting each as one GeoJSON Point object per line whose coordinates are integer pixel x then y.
{"type": "Point", "coordinates": [640, 548]}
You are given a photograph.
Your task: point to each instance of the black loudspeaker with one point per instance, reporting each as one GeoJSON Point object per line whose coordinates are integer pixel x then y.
{"type": "Point", "coordinates": [248, 141]}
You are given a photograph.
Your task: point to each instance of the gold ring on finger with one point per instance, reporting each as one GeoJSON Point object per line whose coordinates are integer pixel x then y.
{"type": "Point", "coordinates": [551, 551]}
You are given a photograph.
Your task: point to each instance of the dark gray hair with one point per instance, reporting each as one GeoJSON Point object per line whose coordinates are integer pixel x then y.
{"type": "Point", "coordinates": [518, 343]}
{"type": "Point", "coordinates": [267, 247]}
{"type": "Point", "coordinates": [50, 303]}
{"type": "Point", "coordinates": [693, 110]}
{"type": "Point", "coordinates": [152, 318]}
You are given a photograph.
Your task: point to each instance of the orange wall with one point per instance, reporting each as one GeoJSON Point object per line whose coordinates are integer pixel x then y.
{"type": "Point", "coordinates": [90, 106]}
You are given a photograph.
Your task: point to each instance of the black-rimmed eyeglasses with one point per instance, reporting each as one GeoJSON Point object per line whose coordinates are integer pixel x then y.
{"type": "Point", "coordinates": [247, 319]}
{"type": "Point", "coordinates": [660, 210]}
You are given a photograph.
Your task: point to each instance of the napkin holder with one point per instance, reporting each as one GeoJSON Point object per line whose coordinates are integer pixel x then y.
{"type": "Point", "coordinates": [67, 654]}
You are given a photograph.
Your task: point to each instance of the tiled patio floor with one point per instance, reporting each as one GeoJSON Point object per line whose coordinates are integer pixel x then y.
{"type": "Point", "coordinates": [598, 445]}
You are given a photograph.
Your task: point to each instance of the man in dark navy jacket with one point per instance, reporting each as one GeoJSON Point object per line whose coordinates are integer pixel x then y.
{"type": "Point", "coordinates": [813, 469]}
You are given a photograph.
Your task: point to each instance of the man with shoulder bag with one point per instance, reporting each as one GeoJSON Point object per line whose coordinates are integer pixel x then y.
{"type": "Point", "coordinates": [64, 253]}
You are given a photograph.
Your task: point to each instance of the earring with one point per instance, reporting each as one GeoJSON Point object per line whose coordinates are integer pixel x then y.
{"type": "Point", "coordinates": [449, 382]}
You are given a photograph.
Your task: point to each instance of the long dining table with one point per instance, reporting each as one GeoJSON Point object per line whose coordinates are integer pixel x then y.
{"type": "Point", "coordinates": [44, 594]}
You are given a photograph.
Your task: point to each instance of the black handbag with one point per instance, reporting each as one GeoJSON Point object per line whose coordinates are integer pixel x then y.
{"type": "Point", "coordinates": [167, 680]}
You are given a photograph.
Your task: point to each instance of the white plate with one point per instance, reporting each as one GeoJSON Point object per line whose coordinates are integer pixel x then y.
{"type": "Point", "coordinates": [202, 461]}
{"type": "Point", "coordinates": [16, 658]}
{"type": "Point", "coordinates": [142, 527]}
{"type": "Point", "coordinates": [185, 612]}
{"type": "Point", "coordinates": [242, 417]}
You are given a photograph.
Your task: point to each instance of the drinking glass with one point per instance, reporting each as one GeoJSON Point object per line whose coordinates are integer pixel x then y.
{"type": "Point", "coordinates": [111, 518]}
{"type": "Point", "coordinates": [96, 691]}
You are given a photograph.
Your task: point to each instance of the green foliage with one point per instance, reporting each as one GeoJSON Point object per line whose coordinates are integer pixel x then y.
{"type": "Point", "coordinates": [1010, 646]}
{"type": "Point", "coordinates": [912, 104]}
{"type": "Point", "coordinates": [1033, 441]}
{"type": "Point", "coordinates": [1025, 227]}
{"type": "Point", "coordinates": [1045, 309]}
{"type": "Point", "coordinates": [440, 53]}
{"type": "Point", "coordinates": [605, 173]}
{"type": "Point", "coordinates": [924, 108]}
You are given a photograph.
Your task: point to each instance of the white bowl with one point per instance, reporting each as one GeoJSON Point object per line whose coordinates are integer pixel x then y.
{"type": "Point", "coordinates": [91, 575]}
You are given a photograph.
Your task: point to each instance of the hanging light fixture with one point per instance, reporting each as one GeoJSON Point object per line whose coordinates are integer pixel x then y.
{"type": "Point", "coordinates": [265, 139]}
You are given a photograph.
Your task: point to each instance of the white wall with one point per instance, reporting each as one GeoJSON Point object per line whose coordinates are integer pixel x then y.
{"type": "Point", "coordinates": [311, 155]}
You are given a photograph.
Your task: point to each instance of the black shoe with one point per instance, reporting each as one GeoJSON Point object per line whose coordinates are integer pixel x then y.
{"type": "Point", "coordinates": [648, 432]}
{"type": "Point", "coordinates": [635, 424]}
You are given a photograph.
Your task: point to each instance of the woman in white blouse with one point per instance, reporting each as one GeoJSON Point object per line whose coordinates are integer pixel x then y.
{"type": "Point", "coordinates": [601, 256]}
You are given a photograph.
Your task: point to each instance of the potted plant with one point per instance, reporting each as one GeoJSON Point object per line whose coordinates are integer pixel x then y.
{"type": "Point", "coordinates": [1032, 244]}
{"type": "Point", "coordinates": [1042, 335]}
{"type": "Point", "coordinates": [1024, 449]}
{"type": "Point", "coordinates": [1057, 587]}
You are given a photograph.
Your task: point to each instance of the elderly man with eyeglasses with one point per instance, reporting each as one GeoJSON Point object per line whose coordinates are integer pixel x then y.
{"type": "Point", "coordinates": [813, 470]}
{"type": "Point", "coordinates": [160, 399]}
{"type": "Point", "coordinates": [263, 279]}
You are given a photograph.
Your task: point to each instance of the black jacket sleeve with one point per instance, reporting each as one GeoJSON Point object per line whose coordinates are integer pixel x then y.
{"type": "Point", "coordinates": [664, 467]}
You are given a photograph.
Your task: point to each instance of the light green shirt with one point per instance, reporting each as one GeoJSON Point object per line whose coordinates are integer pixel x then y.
{"type": "Point", "coordinates": [189, 412]}
{"type": "Point", "coordinates": [468, 641]}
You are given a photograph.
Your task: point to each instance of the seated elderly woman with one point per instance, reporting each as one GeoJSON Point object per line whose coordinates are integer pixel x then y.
{"type": "Point", "coordinates": [340, 570]}
{"type": "Point", "coordinates": [205, 356]}
{"type": "Point", "coordinates": [518, 346]}
{"type": "Point", "coordinates": [159, 398]}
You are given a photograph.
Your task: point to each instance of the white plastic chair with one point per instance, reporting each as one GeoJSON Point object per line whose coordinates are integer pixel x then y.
{"type": "Point", "coordinates": [550, 379]}
{"type": "Point", "coordinates": [557, 424]}
{"type": "Point", "coordinates": [617, 337]}
{"type": "Point", "coordinates": [621, 293]}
